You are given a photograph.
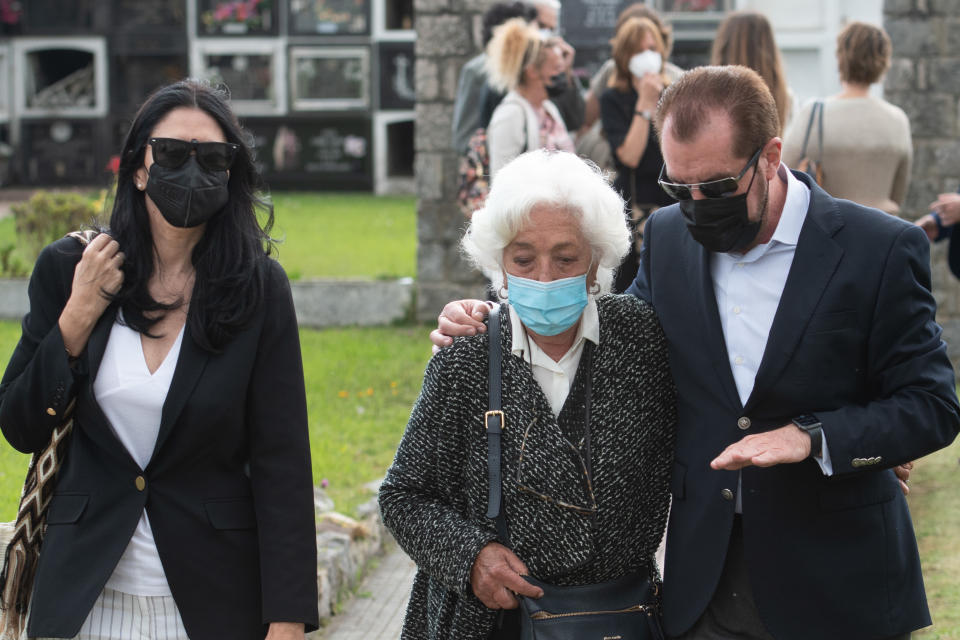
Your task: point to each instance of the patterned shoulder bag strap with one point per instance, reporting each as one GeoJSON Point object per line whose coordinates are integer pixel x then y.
{"type": "Point", "coordinates": [23, 551]}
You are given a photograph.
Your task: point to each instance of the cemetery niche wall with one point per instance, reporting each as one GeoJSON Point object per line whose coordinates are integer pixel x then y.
{"type": "Point", "coordinates": [325, 87]}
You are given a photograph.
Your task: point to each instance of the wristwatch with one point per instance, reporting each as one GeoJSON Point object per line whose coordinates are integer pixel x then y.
{"type": "Point", "coordinates": [811, 424]}
{"type": "Point", "coordinates": [645, 114]}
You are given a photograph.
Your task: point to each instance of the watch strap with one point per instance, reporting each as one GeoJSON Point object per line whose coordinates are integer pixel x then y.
{"type": "Point", "coordinates": [814, 428]}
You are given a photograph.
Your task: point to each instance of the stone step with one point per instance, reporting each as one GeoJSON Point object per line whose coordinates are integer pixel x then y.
{"type": "Point", "coordinates": [319, 303]}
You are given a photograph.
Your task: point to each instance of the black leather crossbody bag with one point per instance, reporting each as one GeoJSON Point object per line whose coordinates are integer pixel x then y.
{"type": "Point", "coordinates": [627, 608]}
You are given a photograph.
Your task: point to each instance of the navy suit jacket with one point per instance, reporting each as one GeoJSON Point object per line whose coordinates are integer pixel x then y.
{"type": "Point", "coordinates": [228, 490]}
{"type": "Point", "coordinates": [854, 341]}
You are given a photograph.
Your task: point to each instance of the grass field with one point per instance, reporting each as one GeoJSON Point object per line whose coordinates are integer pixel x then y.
{"type": "Point", "coordinates": [329, 235]}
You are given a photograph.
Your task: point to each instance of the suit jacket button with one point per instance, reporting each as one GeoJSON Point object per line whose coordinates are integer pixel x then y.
{"type": "Point", "coordinates": [726, 494]}
{"type": "Point", "coordinates": [141, 483]}
{"type": "Point", "coordinates": [51, 411]}
{"type": "Point", "coordinates": [744, 423]}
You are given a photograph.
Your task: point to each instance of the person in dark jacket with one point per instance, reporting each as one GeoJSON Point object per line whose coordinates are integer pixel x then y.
{"type": "Point", "coordinates": [185, 502]}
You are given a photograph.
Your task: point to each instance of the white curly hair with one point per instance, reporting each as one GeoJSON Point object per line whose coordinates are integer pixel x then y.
{"type": "Point", "coordinates": [561, 180]}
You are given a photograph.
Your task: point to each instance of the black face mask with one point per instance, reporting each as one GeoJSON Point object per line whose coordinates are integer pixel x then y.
{"type": "Point", "coordinates": [189, 195]}
{"type": "Point", "coordinates": [556, 85]}
{"type": "Point", "coordinates": [721, 224]}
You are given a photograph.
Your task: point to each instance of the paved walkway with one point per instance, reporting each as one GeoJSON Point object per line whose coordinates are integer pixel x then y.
{"type": "Point", "coordinates": [376, 612]}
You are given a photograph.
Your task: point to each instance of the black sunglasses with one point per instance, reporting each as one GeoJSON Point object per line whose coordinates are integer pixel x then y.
{"type": "Point", "coordinates": [722, 188]}
{"type": "Point", "coordinates": [171, 153]}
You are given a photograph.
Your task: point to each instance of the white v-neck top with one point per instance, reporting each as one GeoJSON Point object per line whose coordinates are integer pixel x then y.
{"type": "Point", "coordinates": [132, 400]}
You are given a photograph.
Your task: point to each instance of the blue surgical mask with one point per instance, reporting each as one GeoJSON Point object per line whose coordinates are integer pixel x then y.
{"type": "Point", "coordinates": [548, 308]}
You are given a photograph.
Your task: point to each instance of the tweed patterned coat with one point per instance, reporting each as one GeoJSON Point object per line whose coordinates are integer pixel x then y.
{"type": "Point", "coordinates": [434, 496]}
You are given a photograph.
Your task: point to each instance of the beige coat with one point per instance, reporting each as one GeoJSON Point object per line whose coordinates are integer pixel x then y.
{"type": "Point", "coordinates": [515, 128]}
{"type": "Point", "coordinates": [867, 150]}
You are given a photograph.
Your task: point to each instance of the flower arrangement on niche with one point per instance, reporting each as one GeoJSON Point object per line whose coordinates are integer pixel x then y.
{"type": "Point", "coordinates": [237, 16]}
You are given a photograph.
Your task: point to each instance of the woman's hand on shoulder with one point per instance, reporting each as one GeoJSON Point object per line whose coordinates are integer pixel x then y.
{"type": "Point", "coordinates": [497, 575]}
{"type": "Point", "coordinates": [95, 278]}
{"type": "Point", "coordinates": [285, 631]}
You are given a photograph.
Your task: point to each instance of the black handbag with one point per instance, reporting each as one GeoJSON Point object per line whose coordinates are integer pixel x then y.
{"type": "Point", "coordinates": [627, 608]}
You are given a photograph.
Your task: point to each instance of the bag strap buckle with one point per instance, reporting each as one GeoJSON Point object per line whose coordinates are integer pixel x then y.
{"type": "Point", "coordinates": [496, 413]}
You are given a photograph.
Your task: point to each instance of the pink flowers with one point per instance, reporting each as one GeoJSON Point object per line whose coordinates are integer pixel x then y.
{"type": "Point", "coordinates": [696, 5]}
{"type": "Point", "coordinates": [113, 165]}
{"type": "Point", "coordinates": [236, 11]}
{"type": "Point", "coordinates": [10, 12]}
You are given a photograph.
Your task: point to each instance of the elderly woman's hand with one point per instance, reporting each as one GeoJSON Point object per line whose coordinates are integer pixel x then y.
{"type": "Point", "coordinates": [459, 318]}
{"type": "Point", "coordinates": [496, 576]}
{"type": "Point", "coordinates": [95, 278]}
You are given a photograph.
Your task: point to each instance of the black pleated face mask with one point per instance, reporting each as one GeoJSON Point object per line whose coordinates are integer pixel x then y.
{"type": "Point", "coordinates": [722, 224]}
{"type": "Point", "coordinates": [189, 195]}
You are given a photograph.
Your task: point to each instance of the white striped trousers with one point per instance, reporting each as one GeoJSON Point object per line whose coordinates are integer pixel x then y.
{"type": "Point", "coordinates": [122, 616]}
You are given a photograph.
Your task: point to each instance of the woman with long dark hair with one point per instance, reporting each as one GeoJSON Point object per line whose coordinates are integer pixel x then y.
{"type": "Point", "coordinates": [746, 38]}
{"type": "Point", "coordinates": [184, 503]}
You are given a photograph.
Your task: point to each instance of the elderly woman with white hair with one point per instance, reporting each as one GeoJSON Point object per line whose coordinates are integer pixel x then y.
{"type": "Point", "coordinates": [588, 406]}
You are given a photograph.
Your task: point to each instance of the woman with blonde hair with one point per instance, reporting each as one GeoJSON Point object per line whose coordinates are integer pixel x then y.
{"type": "Point", "coordinates": [866, 148]}
{"type": "Point", "coordinates": [746, 38]}
{"type": "Point", "coordinates": [530, 69]}
{"type": "Point", "coordinates": [626, 111]}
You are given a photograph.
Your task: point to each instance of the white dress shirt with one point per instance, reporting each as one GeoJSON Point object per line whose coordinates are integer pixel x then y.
{"type": "Point", "coordinates": [132, 400]}
{"type": "Point", "coordinates": [555, 378]}
{"type": "Point", "coordinates": [748, 287]}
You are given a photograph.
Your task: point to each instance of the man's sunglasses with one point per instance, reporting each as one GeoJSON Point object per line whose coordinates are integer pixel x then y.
{"type": "Point", "coordinates": [171, 153]}
{"type": "Point", "coordinates": [722, 188]}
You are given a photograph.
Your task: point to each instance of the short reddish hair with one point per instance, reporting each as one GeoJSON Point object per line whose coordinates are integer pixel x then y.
{"type": "Point", "coordinates": [737, 91]}
{"type": "Point", "coordinates": [863, 53]}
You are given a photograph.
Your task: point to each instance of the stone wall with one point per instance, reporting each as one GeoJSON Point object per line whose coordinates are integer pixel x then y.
{"type": "Point", "coordinates": [924, 80]}
{"type": "Point", "coordinates": [448, 34]}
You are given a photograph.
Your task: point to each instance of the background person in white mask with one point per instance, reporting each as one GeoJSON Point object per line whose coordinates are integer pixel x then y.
{"type": "Point", "coordinates": [626, 110]}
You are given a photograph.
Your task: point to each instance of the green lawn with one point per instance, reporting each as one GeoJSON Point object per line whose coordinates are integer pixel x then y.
{"type": "Point", "coordinates": [935, 506]}
{"type": "Point", "coordinates": [337, 235]}
{"type": "Point", "coordinates": [361, 384]}
{"type": "Point", "coordinates": [330, 235]}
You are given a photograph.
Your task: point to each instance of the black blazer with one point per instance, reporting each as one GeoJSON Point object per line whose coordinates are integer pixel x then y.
{"type": "Point", "coordinates": [228, 490]}
{"type": "Point", "coordinates": [855, 342]}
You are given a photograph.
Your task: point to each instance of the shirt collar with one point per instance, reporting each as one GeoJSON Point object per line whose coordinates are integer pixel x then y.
{"type": "Point", "coordinates": [589, 329]}
{"type": "Point", "coordinates": [795, 207]}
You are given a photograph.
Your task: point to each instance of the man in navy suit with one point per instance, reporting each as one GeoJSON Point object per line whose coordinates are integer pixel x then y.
{"type": "Point", "coordinates": [808, 364]}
